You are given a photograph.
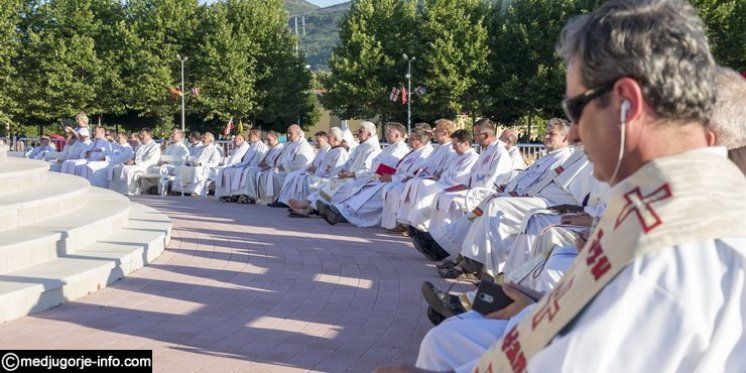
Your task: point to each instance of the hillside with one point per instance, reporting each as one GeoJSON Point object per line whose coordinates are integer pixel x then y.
{"type": "Point", "coordinates": [298, 7]}
{"type": "Point", "coordinates": [322, 29]}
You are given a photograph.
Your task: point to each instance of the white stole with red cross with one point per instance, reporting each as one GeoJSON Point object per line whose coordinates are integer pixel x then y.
{"type": "Point", "coordinates": [695, 196]}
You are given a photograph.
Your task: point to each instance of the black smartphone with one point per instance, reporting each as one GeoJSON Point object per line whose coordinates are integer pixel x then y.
{"type": "Point", "coordinates": [490, 298]}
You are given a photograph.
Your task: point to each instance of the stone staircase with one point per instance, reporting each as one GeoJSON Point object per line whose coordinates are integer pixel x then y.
{"type": "Point", "coordinates": [61, 239]}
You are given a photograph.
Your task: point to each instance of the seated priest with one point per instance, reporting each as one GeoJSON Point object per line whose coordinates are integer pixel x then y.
{"type": "Point", "coordinates": [41, 151]}
{"type": "Point", "coordinates": [126, 177]}
{"type": "Point", "coordinates": [232, 179]}
{"type": "Point", "coordinates": [297, 155]}
{"type": "Point", "coordinates": [510, 138]}
{"type": "Point", "coordinates": [364, 207]}
{"type": "Point", "coordinates": [326, 164]}
{"type": "Point", "coordinates": [191, 178]}
{"type": "Point", "coordinates": [443, 156]}
{"type": "Point", "coordinates": [360, 160]}
{"type": "Point", "coordinates": [493, 168]}
{"type": "Point", "coordinates": [270, 160]}
{"type": "Point", "coordinates": [82, 147]}
{"type": "Point", "coordinates": [97, 172]}
{"type": "Point", "coordinates": [384, 163]}
{"type": "Point", "coordinates": [548, 182]}
{"type": "Point", "coordinates": [98, 151]}
{"type": "Point", "coordinates": [178, 154]}
{"type": "Point", "coordinates": [195, 144]}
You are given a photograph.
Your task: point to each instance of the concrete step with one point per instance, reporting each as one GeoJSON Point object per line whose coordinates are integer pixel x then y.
{"type": "Point", "coordinates": [101, 213]}
{"type": "Point", "coordinates": [59, 195]}
{"type": "Point", "coordinates": [74, 275]}
{"type": "Point", "coordinates": [20, 173]}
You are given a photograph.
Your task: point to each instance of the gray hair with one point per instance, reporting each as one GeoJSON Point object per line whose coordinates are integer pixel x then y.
{"type": "Point", "coordinates": [210, 135]}
{"type": "Point", "coordinates": [660, 43]}
{"type": "Point", "coordinates": [729, 115]}
{"type": "Point", "coordinates": [561, 124]}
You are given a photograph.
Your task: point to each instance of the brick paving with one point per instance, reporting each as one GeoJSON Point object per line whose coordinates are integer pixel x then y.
{"type": "Point", "coordinates": [245, 289]}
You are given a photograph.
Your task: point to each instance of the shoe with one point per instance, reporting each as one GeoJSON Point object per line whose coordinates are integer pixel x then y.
{"type": "Point", "coordinates": [425, 244]}
{"type": "Point", "coordinates": [225, 199]}
{"type": "Point", "coordinates": [331, 214]}
{"type": "Point", "coordinates": [453, 272]}
{"type": "Point", "coordinates": [446, 264]}
{"type": "Point", "coordinates": [152, 190]}
{"type": "Point", "coordinates": [434, 317]}
{"type": "Point", "coordinates": [296, 215]}
{"type": "Point", "coordinates": [245, 200]}
{"type": "Point", "coordinates": [444, 304]}
{"type": "Point", "coordinates": [278, 205]}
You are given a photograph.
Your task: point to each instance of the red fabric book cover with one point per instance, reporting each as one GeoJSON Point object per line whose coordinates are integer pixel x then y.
{"type": "Point", "coordinates": [385, 170]}
{"type": "Point", "coordinates": [456, 188]}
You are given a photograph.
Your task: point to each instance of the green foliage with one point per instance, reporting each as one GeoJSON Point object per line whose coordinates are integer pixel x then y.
{"type": "Point", "coordinates": [368, 61]}
{"type": "Point", "coordinates": [9, 18]}
{"type": "Point", "coordinates": [726, 22]}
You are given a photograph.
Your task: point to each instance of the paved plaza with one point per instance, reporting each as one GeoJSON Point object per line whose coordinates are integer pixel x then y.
{"type": "Point", "coordinates": [245, 288]}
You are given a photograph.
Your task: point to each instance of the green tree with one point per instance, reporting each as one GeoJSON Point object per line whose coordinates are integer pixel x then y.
{"type": "Point", "coordinates": [224, 65]}
{"type": "Point", "coordinates": [726, 23]}
{"type": "Point", "coordinates": [284, 83]}
{"type": "Point", "coordinates": [453, 51]}
{"type": "Point", "coordinates": [60, 67]}
{"type": "Point", "coordinates": [9, 41]}
{"type": "Point", "coordinates": [157, 31]}
{"type": "Point", "coordinates": [368, 62]}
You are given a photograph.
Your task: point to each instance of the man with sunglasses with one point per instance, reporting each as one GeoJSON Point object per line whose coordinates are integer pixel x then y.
{"type": "Point", "coordinates": [660, 285]}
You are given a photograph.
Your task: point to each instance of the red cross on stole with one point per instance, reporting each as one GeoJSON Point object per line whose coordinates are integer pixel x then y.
{"type": "Point", "coordinates": [641, 206]}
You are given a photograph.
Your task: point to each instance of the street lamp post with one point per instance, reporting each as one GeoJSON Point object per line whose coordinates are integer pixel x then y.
{"type": "Point", "coordinates": [183, 120]}
{"type": "Point", "coordinates": [409, 91]}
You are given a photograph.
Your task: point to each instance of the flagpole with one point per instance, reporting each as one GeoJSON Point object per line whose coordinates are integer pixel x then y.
{"type": "Point", "coordinates": [183, 93]}
{"type": "Point", "coordinates": [409, 91]}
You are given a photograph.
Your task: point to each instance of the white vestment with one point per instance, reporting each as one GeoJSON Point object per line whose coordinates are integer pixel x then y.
{"type": "Point", "coordinates": [365, 206]}
{"type": "Point", "coordinates": [295, 158]}
{"type": "Point", "coordinates": [192, 178]}
{"type": "Point", "coordinates": [98, 151]}
{"type": "Point", "coordinates": [360, 162]}
{"type": "Point", "coordinates": [125, 179]}
{"type": "Point", "coordinates": [436, 163]}
{"type": "Point", "coordinates": [177, 151]}
{"type": "Point", "coordinates": [97, 172]}
{"type": "Point", "coordinates": [232, 179]}
{"type": "Point", "coordinates": [76, 156]}
{"type": "Point", "coordinates": [483, 238]}
{"type": "Point", "coordinates": [251, 174]}
{"type": "Point", "coordinates": [418, 197]}
{"type": "Point", "coordinates": [300, 185]}
{"type": "Point", "coordinates": [493, 168]}
{"type": "Point", "coordinates": [40, 152]}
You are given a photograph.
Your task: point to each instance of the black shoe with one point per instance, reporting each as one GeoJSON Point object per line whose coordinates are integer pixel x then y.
{"type": "Point", "coordinates": [245, 200]}
{"type": "Point", "coordinates": [425, 244]}
{"type": "Point", "coordinates": [444, 304]}
{"type": "Point", "coordinates": [226, 199]}
{"type": "Point", "coordinates": [152, 190]}
{"type": "Point", "coordinates": [434, 317]}
{"type": "Point", "coordinates": [446, 264]}
{"type": "Point", "coordinates": [331, 214]}
{"type": "Point", "coordinates": [278, 205]}
{"type": "Point", "coordinates": [453, 272]}
{"type": "Point", "coordinates": [296, 215]}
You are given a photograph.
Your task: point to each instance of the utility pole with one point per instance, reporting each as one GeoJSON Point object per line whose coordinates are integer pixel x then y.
{"type": "Point", "coordinates": [409, 91]}
{"type": "Point", "coordinates": [183, 93]}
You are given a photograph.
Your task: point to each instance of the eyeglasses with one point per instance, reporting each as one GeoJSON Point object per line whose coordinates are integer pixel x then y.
{"type": "Point", "coordinates": [573, 106]}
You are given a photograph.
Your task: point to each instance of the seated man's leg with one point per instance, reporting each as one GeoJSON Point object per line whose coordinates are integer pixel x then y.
{"type": "Point", "coordinates": [458, 341]}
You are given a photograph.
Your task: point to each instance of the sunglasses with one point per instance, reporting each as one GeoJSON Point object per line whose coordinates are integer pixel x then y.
{"type": "Point", "coordinates": [573, 106]}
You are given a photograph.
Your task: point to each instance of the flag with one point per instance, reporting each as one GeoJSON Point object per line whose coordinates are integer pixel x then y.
{"type": "Point", "coordinates": [175, 93]}
{"type": "Point", "coordinates": [394, 96]}
{"type": "Point", "coordinates": [404, 95]}
{"type": "Point", "coordinates": [240, 126]}
{"type": "Point", "coordinates": [195, 91]}
{"type": "Point", "coordinates": [420, 90]}
{"type": "Point", "coordinates": [228, 128]}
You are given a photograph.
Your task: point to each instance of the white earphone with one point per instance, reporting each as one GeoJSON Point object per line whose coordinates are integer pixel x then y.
{"type": "Point", "coordinates": [626, 105]}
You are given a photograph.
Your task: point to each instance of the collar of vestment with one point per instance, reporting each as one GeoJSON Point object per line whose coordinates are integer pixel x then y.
{"type": "Point", "coordinates": [691, 197]}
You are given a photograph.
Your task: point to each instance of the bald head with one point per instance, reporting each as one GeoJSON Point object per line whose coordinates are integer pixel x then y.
{"type": "Point", "coordinates": [510, 138]}
{"type": "Point", "coordinates": [294, 132]}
